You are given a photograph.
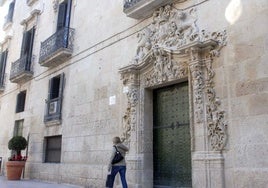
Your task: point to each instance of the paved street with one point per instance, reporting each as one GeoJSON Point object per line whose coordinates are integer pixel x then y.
{"type": "Point", "coordinates": [4, 183]}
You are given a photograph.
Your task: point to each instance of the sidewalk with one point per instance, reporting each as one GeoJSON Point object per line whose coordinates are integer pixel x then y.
{"type": "Point", "coordinates": [4, 183]}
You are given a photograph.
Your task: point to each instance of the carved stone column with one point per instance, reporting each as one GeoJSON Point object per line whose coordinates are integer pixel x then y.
{"type": "Point", "coordinates": [197, 84]}
{"type": "Point", "coordinates": [208, 161]}
{"type": "Point", "coordinates": [130, 118]}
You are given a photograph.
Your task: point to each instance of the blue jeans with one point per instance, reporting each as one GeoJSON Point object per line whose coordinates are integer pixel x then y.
{"type": "Point", "coordinates": [122, 172]}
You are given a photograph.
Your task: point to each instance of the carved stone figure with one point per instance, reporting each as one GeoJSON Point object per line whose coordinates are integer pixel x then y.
{"type": "Point", "coordinates": [144, 43]}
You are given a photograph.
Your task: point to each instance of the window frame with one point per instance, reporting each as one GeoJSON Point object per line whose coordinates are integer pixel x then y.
{"type": "Point", "coordinates": [21, 101]}
{"type": "Point", "coordinates": [54, 104]}
{"type": "Point", "coordinates": [3, 61]}
{"type": "Point", "coordinates": [27, 46]}
{"type": "Point", "coordinates": [18, 128]}
{"type": "Point", "coordinates": [48, 151]}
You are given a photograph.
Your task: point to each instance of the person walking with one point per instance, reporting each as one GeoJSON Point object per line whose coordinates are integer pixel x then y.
{"type": "Point", "coordinates": [119, 166]}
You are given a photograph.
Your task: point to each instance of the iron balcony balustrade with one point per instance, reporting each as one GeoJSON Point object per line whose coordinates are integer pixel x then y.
{"type": "Point", "coordinates": [130, 3]}
{"type": "Point", "coordinates": [57, 48]}
{"type": "Point", "coordinates": [21, 70]}
{"type": "Point", "coordinates": [139, 9]}
{"type": "Point", "coordinates": [53, 111]}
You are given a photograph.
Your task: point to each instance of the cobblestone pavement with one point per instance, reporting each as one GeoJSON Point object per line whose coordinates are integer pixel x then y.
{"type": "Point", "coordinates": [4, 183]}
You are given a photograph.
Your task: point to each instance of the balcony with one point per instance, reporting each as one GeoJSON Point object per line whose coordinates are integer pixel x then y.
{"type": "Point", "coordinates": [21, 70]}
{"type": "Point", "coordinates": [139, 9]}
{"type": "Point", "coordinates": [53, 111]}
{"type": "Point", "coordinates": [57, 48]}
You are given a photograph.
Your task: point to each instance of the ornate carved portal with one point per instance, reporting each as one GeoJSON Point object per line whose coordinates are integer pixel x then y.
{"type": "Point", "coordinates": [170, 49]}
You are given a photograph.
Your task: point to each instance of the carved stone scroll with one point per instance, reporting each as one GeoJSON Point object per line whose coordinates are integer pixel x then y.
{"type": "Point", "coordinates": [198, 85]}
{"type": "Point", "coordinates": [215, 119]}
{"type": "Point", "coordinates": [130, 116]}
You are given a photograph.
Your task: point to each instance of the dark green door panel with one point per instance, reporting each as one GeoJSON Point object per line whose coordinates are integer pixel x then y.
{"type": "Point", "coordinates": [172, 142]}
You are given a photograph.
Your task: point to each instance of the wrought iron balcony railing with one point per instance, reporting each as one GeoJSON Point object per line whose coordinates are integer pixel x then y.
{"type": "Point", "coordinates": [130, 3]}
{"type": "Point", "coordinates": [21, 69]}
{"type": "Point", "coordinates": [53, 110]}
{"type": "Point", "coordinates": [57, 47]}
{"type": "Point", "coordinates": [139, 9]}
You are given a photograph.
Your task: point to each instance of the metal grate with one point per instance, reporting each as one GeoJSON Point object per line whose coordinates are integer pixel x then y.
{"type": "Point", "coordinates": [130, 3]}
{"type": "Point", "coordinates": [62, 39]}
{"type": "Point", "coordinates": [21, 66]}
{"type": "Point", "coordinates": [172, 142]}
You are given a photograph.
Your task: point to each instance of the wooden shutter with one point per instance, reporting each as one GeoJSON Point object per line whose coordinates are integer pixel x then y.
{"type": "Point", "coordinates": [30, 48]}
{"type": "Point", "coordinates": [11, 11]}
{"type": "Point", "coordinates": [62, 15]}
{"type": "Point", "coordinates": [24, 39]}
{"type": "Point", "coordinates": [62, 82]}
{"type": "Point", "coordinates": [27, 46]}
{"type": "Point", "coordinates": [3, 59]}
{"type": "Point", "coordinates": [21, 101]}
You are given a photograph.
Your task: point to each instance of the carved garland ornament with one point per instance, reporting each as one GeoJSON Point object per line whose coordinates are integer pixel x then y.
{"type": "Point", "coordinates": [130, 118]}
{"type": "Point", "coordinates": [175, 33]}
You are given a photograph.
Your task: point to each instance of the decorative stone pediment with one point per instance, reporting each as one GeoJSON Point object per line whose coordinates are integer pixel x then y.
{"type": "Point", "coordinates": [171, 49]}
{"type": "Point", "coordinates": [176, 31]}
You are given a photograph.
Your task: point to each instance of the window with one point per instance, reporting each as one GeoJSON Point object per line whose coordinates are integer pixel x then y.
{"type": "Point", "coordinates": [64, 14]}
{"type": "Point", "coordinates": [55, 87]}
{"type": "Point", "coordinates": [27, 48]}
{"type": "Point", "coordinates": [21, 101]}
{"type": "Point", "coordinates": [53, 149]}
{"type": "Point", "coordinates": [18, 128]}
{"type": "Point", "coordinates": [9, 16]}
{"type": "Point", "coordinates": [55, 95]}
{"type": "Point", "coordinates": [3, 59]}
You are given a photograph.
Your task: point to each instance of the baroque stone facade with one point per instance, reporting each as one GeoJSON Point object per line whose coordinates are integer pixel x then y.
{"type": "Point", "coordinates": [106, 82]}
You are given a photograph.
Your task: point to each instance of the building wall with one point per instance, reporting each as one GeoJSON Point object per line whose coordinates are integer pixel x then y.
{"type": "Point", "coordinates": [105, 41]}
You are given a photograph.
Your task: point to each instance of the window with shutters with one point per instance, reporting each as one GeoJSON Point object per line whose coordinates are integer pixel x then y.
{"type": "Point", "coordinates": [54, 100]}
{"type": "Point", "coordinates": [18, 128]}
{"type": "Point", "coordinates": [3, 59]}
{"type": "Point", "coordinates": [21, 101]}
{"type": "Point", "coordinates": [53, 149]}
{"type": "Point", "coordinates": [59, 46]}
{"type": "Point", "coordinates": [9, 16]}
{"type": "Point", "coordinates": [18, 131]}
{"type": "Point", "coordinates": [27, 46]}
{"type": "Point", "coordinates": [22, 68]}
{"type": "Point", "coordinates": [64, 14]}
